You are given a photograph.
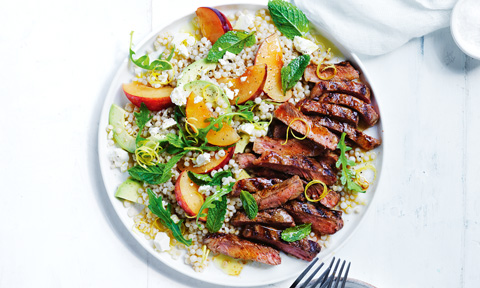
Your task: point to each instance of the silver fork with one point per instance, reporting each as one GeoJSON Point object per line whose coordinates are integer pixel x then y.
{"type": "Point", "coordinates": [326, 280]}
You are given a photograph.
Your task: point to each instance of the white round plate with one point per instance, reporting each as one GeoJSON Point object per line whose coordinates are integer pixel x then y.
{"type": "Point", "coordinates": [253, 274]}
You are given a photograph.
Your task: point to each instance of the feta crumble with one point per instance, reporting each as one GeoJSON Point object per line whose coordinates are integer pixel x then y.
{"type": "Point", "coordinates": [244, 22]}
{"type": "Point", "coordinates": [162, 242]}
{"type": "Point", "coordinates": [168, 123]}
{"type": "Point", "coordinates": [304, 46]}
{"type": "Point", "coordinates": [179, 96]}
{"type": "Point", "coordinates": [202, 159]}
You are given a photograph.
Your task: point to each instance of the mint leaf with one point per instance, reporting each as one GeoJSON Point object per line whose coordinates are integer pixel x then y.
{"type": "Point", "coordinates": [141, 118]}
{"type": "Point", "coordinates": [156, 206]}
{"type": "Point", "coordinates": [296, 233]}
{"type": "Point", "coordinates": [233, 42]}
{"type": "Point", "coordinates": [199, 179]}
{"type": "Point", "coordinates": [293, 72]}
{"type": "Point", "coordinates": [249, 204]}
{"type": "Point", "coordinates": [157, 174]}
{"type": "Point", "coordinates": [347, 174]}
{"type": "Point", "coordinates": [287, 18]}
{"type": "Point", "coordinates": [216, 215]}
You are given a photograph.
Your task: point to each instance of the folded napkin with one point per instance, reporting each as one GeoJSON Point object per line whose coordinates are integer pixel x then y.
{"type": "Point", "coordinates": [375, 27]}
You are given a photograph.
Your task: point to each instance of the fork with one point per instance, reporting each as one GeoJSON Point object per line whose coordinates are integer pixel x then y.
{"type": "Point", "coordinates": [326, 280]}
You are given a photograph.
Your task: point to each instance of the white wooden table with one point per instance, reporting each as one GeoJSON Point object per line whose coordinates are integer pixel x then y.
{"type": "Point", "coordinates": [59, 230]}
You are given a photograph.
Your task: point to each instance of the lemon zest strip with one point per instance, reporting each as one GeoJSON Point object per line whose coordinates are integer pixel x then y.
{"type": "Point", "coordinates": [331, 66]}
{"type": "Point", "coordinates": [324, 193]}
{"type": "Point", "coordinates": [295, 136]}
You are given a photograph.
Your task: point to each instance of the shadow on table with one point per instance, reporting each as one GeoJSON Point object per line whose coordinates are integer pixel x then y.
{"type": "Point", "coordinates": [109, 212]}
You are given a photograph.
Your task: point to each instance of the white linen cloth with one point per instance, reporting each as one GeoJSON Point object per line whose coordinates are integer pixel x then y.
{"type": "Point", "coordinates": [375, 27]}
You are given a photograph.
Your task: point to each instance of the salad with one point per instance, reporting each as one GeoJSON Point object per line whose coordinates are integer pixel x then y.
{"type": "Point", "coordinates": [243, 137]}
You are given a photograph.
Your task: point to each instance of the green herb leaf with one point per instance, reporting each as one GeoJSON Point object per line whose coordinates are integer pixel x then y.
{"type": "Point", "coordinates": [296, 233]}
{"type": "Point", "coordinates": [144, 61]}
{"type": "Point", "coordinates": [210, 200]}
{"type": "Point", "coordinates": [157, 174]}
{"type": "Point", "coordinates": [294, 71]}
{"type": "Point", "coordinates": [141, 118]}
{"type": "Point", "coordinates": [233, 42]}
{"type": "Point", "coordinates": [287, 18]}
{"type": "Point", "coordinates": [199, 179]}
{"type": "Point", "coordinates": [156, 206]}
{"type": "Point", "coordinates": [216, 215]}
{"type": "Point", "coordinates": [347, 174]}
{"type": "Point", "coordinates": [249, 204]}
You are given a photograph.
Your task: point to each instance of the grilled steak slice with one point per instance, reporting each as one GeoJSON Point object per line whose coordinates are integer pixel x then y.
{"type": "Point", "coordinates": [369, 115]}
{"type": "Point", "coordinates": [324, 221]}
{"type": "Point", "coordinates": [318, 134]}
{"type": "Point", "coordinates": [269, 173]}
{"type": "Point", "coordinates": [345, 71]}
{"type": "Point", "coordinates": [314, 192]}
{"type": "Point", "coordinates": [278, 218]}
{"type": "Point", "coordinates": [303, 249]}
{"type": "Point", "coordinates": [292, 147]}
{"type": "Point", "coordinates": [233, 246]}
{"type": "Point", "coordinates": [279, 131]}
{"type": "Point", "coordinates": [278, 194]}
{"type": "Point", "coordinates": [308, 168]}
{"type": "Point", "coordinates": [361, 139]}
{"type": "Point", "coordinates": [245, 160]}
{"type": "Point", "coordinates": [329, 158]}
{"type": "Point", "coordinates": [356, 89]}
{"type": "Point", "coordinates": [335, 111]}
{"type": "Point", "coordinates": [253, 185]}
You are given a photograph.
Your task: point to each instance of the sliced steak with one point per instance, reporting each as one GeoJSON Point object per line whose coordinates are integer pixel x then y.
{"type": "Point", "coordinates": [278, 218]}
{"type": "Point", "coordinates": [367, 112]}
{"type": "Point", "coordinates": [245, 160]}
{"type": "Point", "coordinates": [279, 130]}
{"type": "Point", "coordinates": [317, 133]}
{"type": "Point", "coordinates": [361, 139]}
{"type": "Point", "coordinates": [345, 71]}
{"type": "Point", "coordinates": [233, 246]}
{"type": "Point", "coordinates": [303, 249]}
{"type": "Point", "coordinates": [291, 147]}
{"type": "Point", "coordinates": [269, 173]}
{"type": "Point", "coordinates": [329, 158]}
{"type": "Point", "coordinates": [337, 112]}
{"type": "Point", "coordinates": [315, 191]}
{"type": "Point", "coordinates": [253, 185]}
{"type": "Point", "coordinates": [278, 194]}
{"type": "Point", "coordinates": [356, 89]}
{"type": "Point", "coordinates": [324, 221]}
{"type": "Point", "coordinates": [307, 168]}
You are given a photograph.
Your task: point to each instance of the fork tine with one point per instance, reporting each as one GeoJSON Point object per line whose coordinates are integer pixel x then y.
{"type": "Point", "coordinates": [339, 277]}
{"type": "Point", "coordinates": [345, 277]}
{"type": "Point", "coordinates": [300, 277]}
{"type": "Point", "coordinates": [324, 275]}
{"type": "Point", "coordinates": [328, 283]}
{"type": "Point", "coordinates": [311, 276]}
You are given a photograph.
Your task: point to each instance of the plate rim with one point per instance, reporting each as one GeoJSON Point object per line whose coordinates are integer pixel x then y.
{"type": "Point", "coordinates": [105, 168]}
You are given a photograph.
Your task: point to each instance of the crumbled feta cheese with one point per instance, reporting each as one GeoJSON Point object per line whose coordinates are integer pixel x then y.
{"type": "Point", "coordinates": [162, 242]}
{"type": "Point", "coordinates": [179, 96]}
{"type": "Point", "coordinates": [304, 46]}
{"type": "Point", "coordinates": [230, 94]}
{"type": "Point", "coordinates": [197, 99]}
{"type": "Point", "coordinates": [182, 50]}
{"type": "Point", "coordinates": [168, 123]}
{"type": "Point", "coordinates": [175, 218]}
{"type": "Point", "coordinates": [120, 155]}
{"type": "Point", "coordinates": [182, 39]}
{"type": "Point", "coordinates": [154, 130]}
{"type": "Point", "coordinates": [229, 56]}
{"type": "Point", "coordinates": [202, 159]}
{"type": "Point", "coordinates": [244, 22]}
{"type": "Point", "coordinates": [243, 78]}
{"type": "Point", "coordinates": [247, 128]}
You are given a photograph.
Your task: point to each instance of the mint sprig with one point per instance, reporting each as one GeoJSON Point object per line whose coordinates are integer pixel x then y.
{"type": "Point", "coordinates": [288, 19]}
{"type": "Point", "coordinates": [292, 73]}
{"type": "Point", "coordinates": [296, 233]}
{"type": "Point", "coordinates": [249, 204]}
{"type": "Point", "coordinates": [233, 42]}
